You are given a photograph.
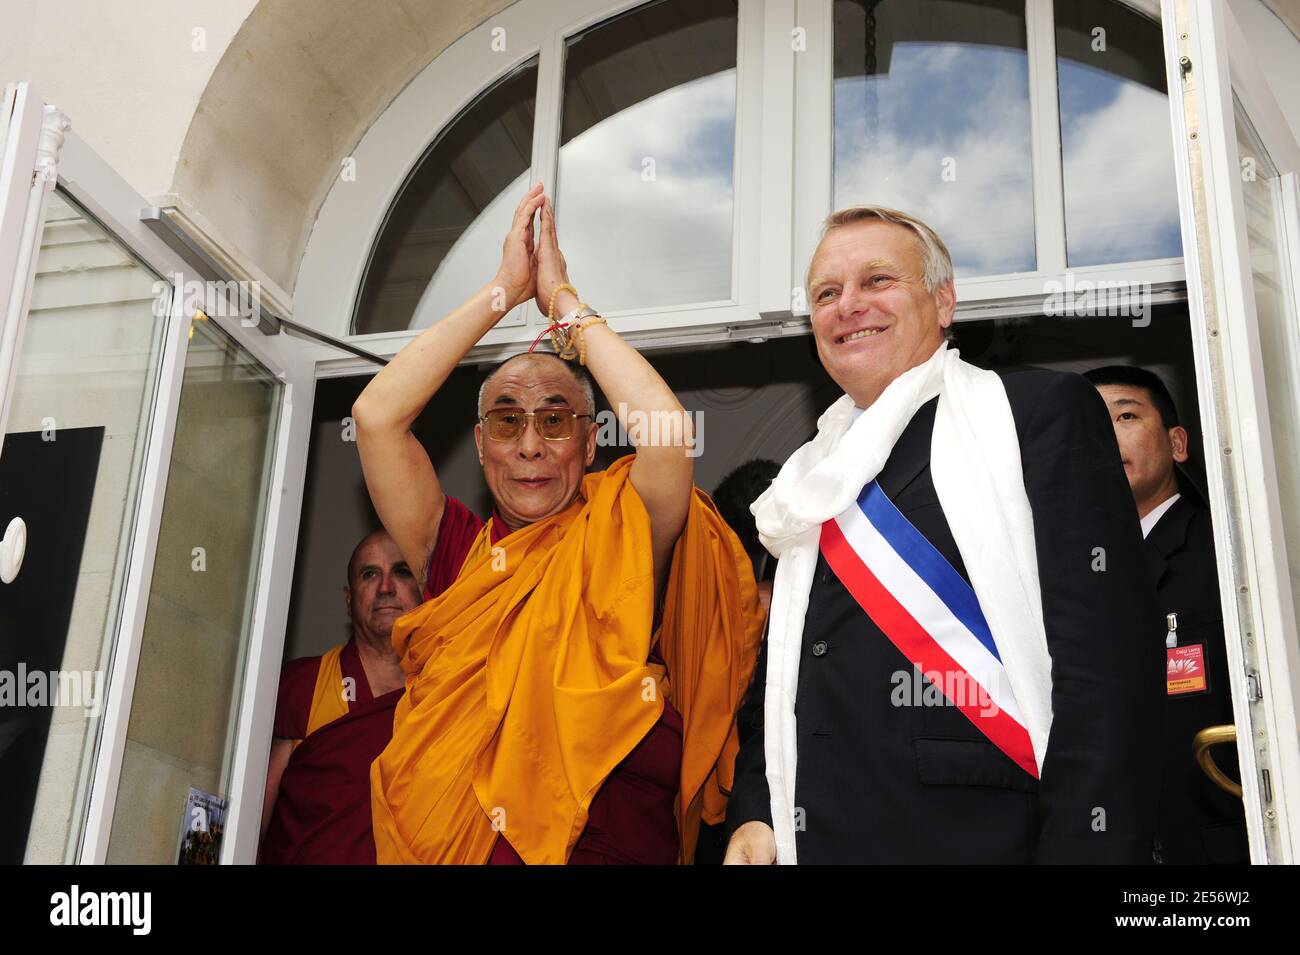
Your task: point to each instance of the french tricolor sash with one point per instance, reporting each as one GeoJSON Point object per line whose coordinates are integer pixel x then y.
{"type": "Point", "coordinates": [925, 608]}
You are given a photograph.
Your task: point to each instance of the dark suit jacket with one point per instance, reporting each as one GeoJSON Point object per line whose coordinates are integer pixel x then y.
{"type": "Point", "coordinates": [1199, 823]}
{"type": "Point", "coordinates": [878, 782]}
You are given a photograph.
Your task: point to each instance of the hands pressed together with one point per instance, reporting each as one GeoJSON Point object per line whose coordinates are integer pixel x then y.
{"type": "Point", "coordinates": [532, 268]}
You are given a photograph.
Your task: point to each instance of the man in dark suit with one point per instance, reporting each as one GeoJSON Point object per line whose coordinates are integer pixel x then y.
{"type": "Point", "coordinates": [1198, 823]}
{"type": "Point", "coordinates": [886, 774]}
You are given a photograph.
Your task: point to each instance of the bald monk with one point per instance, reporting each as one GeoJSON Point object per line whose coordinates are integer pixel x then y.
{"type": "Point", "coordinates": [573, 678]}
{"type": "Point", "coordinates": [333, 716]}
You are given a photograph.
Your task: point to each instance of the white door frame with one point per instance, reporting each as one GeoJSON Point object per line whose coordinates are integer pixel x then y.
{"type": "Point", "coordinates": [271, 609]}
{"type": "Point", "coordinates": [30, 137]}
{"type": "Point", "coordinates": [1207, 60]}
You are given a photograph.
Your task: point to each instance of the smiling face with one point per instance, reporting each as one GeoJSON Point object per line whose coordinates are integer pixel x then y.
{"type": "Point", "coordinates": [1147, 448]}
{"type": "Point", "coordinates": [872, 316]}
{"type": "Point", "coordinates": [380, 587]}
{"type": "Point", "coordinates": [530, 477]}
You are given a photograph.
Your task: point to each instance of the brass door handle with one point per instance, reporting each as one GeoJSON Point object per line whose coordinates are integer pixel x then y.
{"type": "Point", "coordinates": [1201, 743]}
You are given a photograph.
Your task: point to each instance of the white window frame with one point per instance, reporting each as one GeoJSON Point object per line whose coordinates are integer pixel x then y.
{"type": "Point", "coordinates": [1255, 587]}
{"type": "Point", "coordinates": [108, 198]}
{"type": "Point", "coordinates": [993, 296]}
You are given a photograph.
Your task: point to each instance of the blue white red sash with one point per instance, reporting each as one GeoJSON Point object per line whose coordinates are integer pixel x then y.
{"type": "Point", "coordinates": [928, 612]}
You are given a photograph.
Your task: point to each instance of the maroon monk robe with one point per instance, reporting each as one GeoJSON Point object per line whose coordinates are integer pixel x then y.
{"type": "Point", "coordinates": [632, 818]}
{"type": "Point", "coordinates": [322, 813]}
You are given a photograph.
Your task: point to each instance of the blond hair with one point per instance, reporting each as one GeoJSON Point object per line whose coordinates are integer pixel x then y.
{"type": "Point", "coordinates": [938, 262]}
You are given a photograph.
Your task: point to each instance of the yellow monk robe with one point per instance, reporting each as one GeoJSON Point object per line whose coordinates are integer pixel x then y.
{"type": "Point", "coordinates": [328, 701]}
{"type": "Point", "coordinates": [527, 681]}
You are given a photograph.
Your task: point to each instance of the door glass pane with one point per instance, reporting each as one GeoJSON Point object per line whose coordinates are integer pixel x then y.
{"type": "Point", "coordinates": [1279, 333]}
{"type": "Point", "coordinates": [932, 117]}
{"type": "Point", "coordinates": [647, 144]}
{"type": "Point", "coordinates": [442, 239]}
{"type": "Point", "coordinates": [1121, 202]}
{"type": "Point", "coordinates": [185, 706]}
{"type": "Point", "coordinates": [83, 395]}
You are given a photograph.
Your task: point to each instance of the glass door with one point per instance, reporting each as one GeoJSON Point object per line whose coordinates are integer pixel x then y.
{"type": "Point", "coordinates": [155, 443]}
{"type": "Point", "coordinates": [1237, 166]}
{"type": "Point", "coordinates": [182, 728]}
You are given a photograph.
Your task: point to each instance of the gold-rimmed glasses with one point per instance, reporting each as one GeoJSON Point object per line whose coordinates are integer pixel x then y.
{"type": "Point", "coordinates": [553, 424]}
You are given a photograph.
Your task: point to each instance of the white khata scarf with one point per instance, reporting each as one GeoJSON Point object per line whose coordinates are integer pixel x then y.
{"type": "Point", "coordinates": [975, 465]}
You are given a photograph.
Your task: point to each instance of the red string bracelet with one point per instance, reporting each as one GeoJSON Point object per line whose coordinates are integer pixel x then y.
{"type": "Point", "coordinates": [547, 331]}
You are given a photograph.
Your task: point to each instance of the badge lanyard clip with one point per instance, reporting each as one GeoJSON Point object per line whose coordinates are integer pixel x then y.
{"type": "Point", "coordinates": [1171, 641]}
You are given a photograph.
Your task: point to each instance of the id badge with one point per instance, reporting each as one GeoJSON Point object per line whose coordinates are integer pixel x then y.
{"type": "Point", "coordinates": [1185, 670]}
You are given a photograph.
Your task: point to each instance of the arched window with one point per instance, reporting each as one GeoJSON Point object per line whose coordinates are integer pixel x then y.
{"type": "Point", "coordinates": [442, 238]}
{"type": "Point", "coordinates": [932, 117]}
{"type": "Point", "coordinates": [1121, 203]}
{"type": "Point", "coordinates": [647, 145]}
{"type": "Point", "coordinates": [643, 196]}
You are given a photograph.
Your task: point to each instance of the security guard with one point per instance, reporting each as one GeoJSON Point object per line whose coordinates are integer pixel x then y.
{"type": "Point", "coordinates": [1199, 823]}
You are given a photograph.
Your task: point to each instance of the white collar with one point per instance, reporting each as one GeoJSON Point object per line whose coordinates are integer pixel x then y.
{"type": "Point", "coordinates": [1150, 520]}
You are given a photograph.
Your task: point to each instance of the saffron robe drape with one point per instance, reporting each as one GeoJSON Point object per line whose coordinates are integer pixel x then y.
{"type": "Point", "coordinates": [528, 680]}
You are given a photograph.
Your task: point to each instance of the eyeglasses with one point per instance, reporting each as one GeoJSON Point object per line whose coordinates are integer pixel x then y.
{"type": "Point", "coordinates": [553, 424]}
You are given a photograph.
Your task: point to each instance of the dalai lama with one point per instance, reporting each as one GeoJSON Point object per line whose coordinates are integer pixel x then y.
{"type": "Point", "coordinates": [571, 686]}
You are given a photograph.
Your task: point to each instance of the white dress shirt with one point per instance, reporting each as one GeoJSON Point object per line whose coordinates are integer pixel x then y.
{"type": "Point", "coordinates": [1150, 520]}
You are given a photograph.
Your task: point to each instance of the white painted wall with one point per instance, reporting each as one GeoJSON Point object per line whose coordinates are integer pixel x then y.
{"type": "Point", "coordinates": [127, 72]}
{"type": "Point", "coordinates": [1276, 50]}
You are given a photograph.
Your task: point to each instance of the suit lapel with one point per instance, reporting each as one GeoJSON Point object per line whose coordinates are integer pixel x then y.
{"type": "Point", "coordinates": [911, 454]}
{"type": "Point", "coordinates": [1169, 536]}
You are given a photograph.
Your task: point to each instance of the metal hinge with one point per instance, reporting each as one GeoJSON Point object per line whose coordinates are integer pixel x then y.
{"type": "Point", "coordinates": [1254, 692]}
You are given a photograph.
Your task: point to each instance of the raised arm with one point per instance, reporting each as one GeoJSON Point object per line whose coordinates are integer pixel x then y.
{"type": "Point", "coordinates": [399, 475]}
{"type": "Point", "coordinates": [656, 423]}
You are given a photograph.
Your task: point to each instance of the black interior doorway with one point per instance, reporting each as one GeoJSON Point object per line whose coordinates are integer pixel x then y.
{"type": "Point", "coordinates": [47, 479]}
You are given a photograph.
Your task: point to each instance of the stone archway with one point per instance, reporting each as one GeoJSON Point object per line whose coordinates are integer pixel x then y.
{"type": "Point", "coordinates": [295, 90]}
